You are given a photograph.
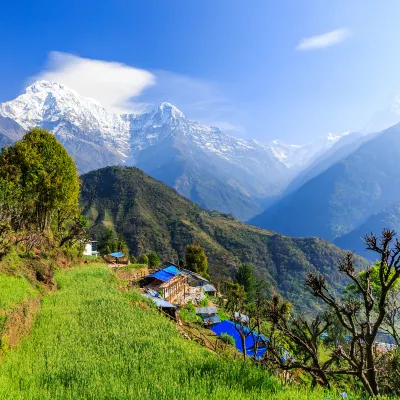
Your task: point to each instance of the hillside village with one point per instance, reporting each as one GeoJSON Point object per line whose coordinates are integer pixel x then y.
{"type": "Point", "coordinates": [173, 288]}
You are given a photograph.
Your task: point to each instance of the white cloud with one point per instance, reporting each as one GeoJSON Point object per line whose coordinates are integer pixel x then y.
{"type": "Point", "coordinates": [124, 89]}
{"type": "Point", "coordinates": [113, 84]}
{"type": "Point", "coordinates": [324, 40]}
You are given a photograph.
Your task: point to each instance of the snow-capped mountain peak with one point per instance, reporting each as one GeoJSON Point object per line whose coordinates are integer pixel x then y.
{"type": "Point", "coordinates": [299, 156]}
{"type": "Point", "coordinates": [167, 110]}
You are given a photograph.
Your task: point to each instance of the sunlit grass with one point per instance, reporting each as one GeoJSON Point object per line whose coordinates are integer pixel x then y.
{"type": "Point", "coordinates": [13, 291]}
{"type": "Point", "coordinates": [91, 341]}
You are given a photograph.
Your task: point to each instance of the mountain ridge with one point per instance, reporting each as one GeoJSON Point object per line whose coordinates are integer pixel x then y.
{"type": "Point", "coordinates": [153, 217]}
{"type": "Point", "coordinates": [216, 170]}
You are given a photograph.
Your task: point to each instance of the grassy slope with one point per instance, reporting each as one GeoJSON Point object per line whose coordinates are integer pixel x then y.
{"type": "Point", "coordinates": [152, 217]}
{"type": "Point", "coordinates": [13, 291]}
{"type": "Point", "coordinates": [91, 341]}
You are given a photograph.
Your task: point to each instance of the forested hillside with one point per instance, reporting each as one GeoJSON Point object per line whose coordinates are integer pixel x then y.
{"type": "Point", "coordinates": [152, 217]}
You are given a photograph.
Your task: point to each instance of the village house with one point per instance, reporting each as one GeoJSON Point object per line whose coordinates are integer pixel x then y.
{"type": "Point", "coordinates": [209, 289]}
{"type": "Point", "coordinates": [169, 283]}
{"type": "Point", "coordinates": [194, 279]}
{"type": "Point", "coordinates": [91, 248]}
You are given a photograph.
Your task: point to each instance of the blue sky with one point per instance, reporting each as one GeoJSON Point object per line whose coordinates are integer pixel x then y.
{"type": "Point", "coordinates": [292, 70]}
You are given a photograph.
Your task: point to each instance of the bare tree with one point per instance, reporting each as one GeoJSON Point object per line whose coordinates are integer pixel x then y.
{"type": "Point", "coordinates": [301, 337]}
{"type": "Point", "coordinates": [368, 310]}
{"type": "Point", "coordinates": [362, 318]}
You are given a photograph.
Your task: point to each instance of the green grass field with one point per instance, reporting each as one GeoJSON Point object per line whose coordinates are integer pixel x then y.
{"type": "Point", "coordinates": [91, 341]}
{"type": "Point", "coordinates": [13, 291]}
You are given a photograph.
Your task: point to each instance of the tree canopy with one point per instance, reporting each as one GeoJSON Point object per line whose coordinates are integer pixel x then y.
{"type": "Point", "coordinates": [42, 186]}
{"type": "Point", "coordinates": [196, 260]}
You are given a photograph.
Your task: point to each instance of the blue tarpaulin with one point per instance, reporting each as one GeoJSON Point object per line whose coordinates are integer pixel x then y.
{"type": "Point", "coordinates": [251, 338]}
{"type": "Point", "coordinates": [161, 275]}
{"type": "Point", "coordinates": [117, 255]}
{"type": "Point", "coordinates": [172, 270]}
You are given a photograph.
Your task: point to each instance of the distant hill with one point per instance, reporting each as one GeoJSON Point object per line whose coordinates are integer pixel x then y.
{"type": "Point", "coordinates": [151, 216]}
{"type": "Point", "coordinates": [354, 241]}
{"type": "Point", "coordinates": [343, 197]}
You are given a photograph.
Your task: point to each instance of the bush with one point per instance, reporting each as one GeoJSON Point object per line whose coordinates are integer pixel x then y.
{"type": "Point", "coordinates": [154, 260]}
{"type": "Point", "coordinates": [228, 339]}
{"type": "Point", "coordinates": [143, 259]}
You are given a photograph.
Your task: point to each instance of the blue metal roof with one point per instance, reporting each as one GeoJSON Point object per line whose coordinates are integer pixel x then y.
{"type": "Point", "coordinates": [251, 338]}
{"type": "Point", "coordinates": [165, 274]}
{"type": "Point", "coordinates": [162, 275]}
{"type": "Point", "coordinates": [117, 255]}
{"type": "Point", "coordinates": [172, 270]}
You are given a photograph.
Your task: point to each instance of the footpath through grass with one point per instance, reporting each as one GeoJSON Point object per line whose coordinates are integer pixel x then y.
{"type": "Point", "coordinates": [91, 341]}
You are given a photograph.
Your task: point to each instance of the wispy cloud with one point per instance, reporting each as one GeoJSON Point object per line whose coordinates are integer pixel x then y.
{"type": "Point", "coordinates": [111, 83]}
{"type": "Point", "coordinates": [324, 40]}
{"type": "Point", "coordinates": [121, 88]}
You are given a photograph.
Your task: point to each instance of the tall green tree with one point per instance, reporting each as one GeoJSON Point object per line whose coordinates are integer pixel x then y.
{"type": "Point", "coordinates": [45, 187]}
{"type": "Point", "coordinates": [245, 277]}
{"type": "Point", "coordinates": [154, 260]}
{"type": "Point", "coordinates": [143, 259]}
{"type": "Point", "coordinates": [196, 260]}
{"type": "Point", "coordinates": [47, 177]}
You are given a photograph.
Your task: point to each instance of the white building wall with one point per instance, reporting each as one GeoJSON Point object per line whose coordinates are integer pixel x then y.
{"type": "Point", "coordinates": [88, 249]}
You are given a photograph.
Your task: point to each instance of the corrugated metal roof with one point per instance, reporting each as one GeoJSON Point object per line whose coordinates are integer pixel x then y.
{"type": "Point", "coordinates": [160, 302]}
{"type": "Point", "coordinates": [212, 320]}
{"type": "Point", "coordinates": [241, 317]}
{"type": "Point", "coordinates": [206, 310]}
{"type": "Point", "coordinates": [209, 288]}
{"type": "Point", "coordinates": [192, 274]}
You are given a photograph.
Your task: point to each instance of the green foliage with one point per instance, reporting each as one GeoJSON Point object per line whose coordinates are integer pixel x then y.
{"type": "Point", "coordinates": [188, 313]}
{"type": "Point", "coordinates": [245, 277]}
{"type": "Point", "coordinates": [111, 242]}
{"type": "Point", "coordinates": [143, 259]}
{"type": "Point", "coordinates": [154, 260]}
{"type": "Point", "coordinates": [46, 176]}
{"type": "Point", "coordinates": [14, 290]}
{"type": "Point", "coordinates": [235, 295]}
{"type": "Point", "coordinates": [204, 302]}
{"type": "Point", "coordinates": [133, 260]}
{"type": "Point", "coordinates": [39, 194]}
{"type": "Point", "coordinates": [132, 267]}
{"type": "Point", "coordinates": [228, 339]}
{"type": "Point", "coordinates": [196, 260]}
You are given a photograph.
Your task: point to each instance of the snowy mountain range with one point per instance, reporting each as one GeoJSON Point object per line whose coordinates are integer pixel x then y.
{"type": "Point", "coordinates": [202, 162]}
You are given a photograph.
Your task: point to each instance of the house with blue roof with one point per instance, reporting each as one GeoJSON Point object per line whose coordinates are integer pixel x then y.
{"type": "Point", "coordinates": [168, 282]}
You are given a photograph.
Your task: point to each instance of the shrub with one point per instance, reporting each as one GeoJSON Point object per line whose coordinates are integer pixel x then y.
{"type": "Point", "coordinates": [228, 339]}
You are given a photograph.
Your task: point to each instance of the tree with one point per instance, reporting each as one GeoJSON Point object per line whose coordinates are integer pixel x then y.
{"type": "Point", "coordinates": [143, 259]}
{"type": "Point", "coordinates": [41, 185]}
{"type": "Point", "coordinates": [361, 313]}
{"type": "Point", "coordinates": [196, 260]}
{"type": "Point", "coordinates": [108, 241]}
{"type": "Point", "coordinates": [245, 277]}
{"type": "Point", "coordinates": [47, 177]}
{"type": "Point", "coordinates": [154, 260]}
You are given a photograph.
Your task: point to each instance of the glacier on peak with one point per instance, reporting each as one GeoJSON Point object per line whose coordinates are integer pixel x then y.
{"type": "Point", "coordinates": [55, 106]}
